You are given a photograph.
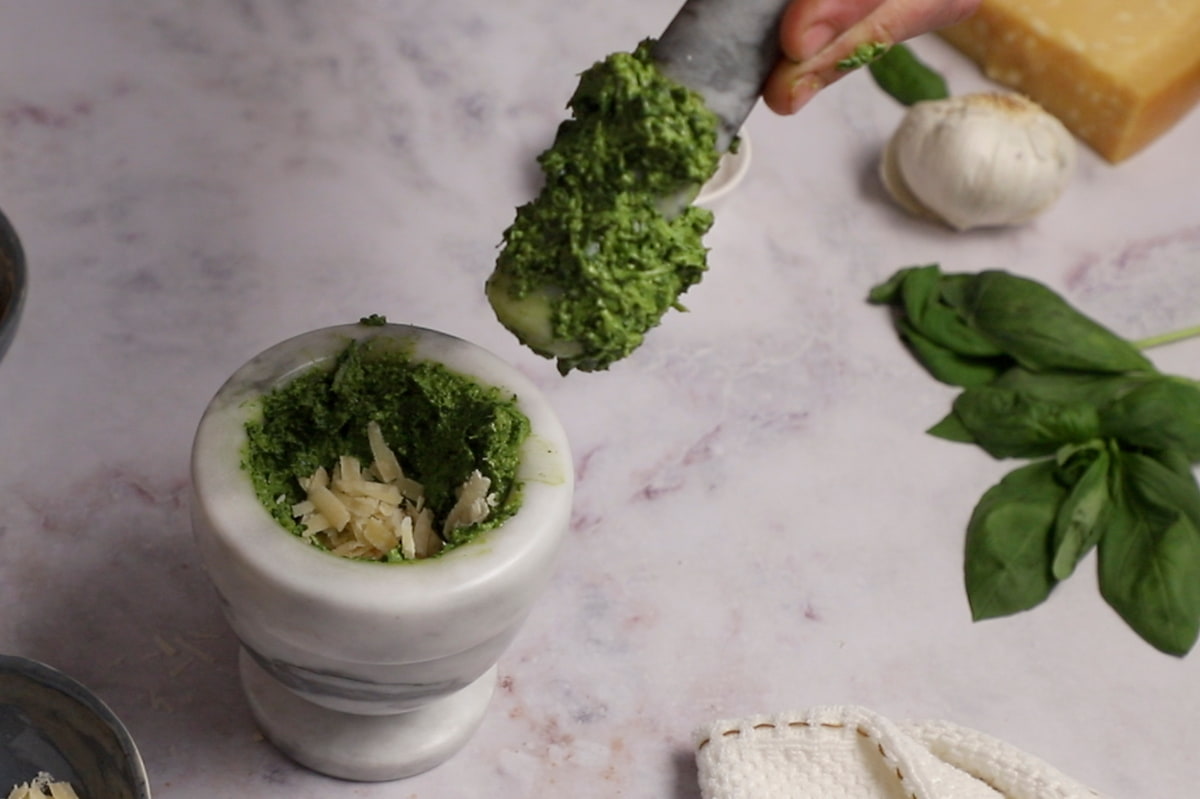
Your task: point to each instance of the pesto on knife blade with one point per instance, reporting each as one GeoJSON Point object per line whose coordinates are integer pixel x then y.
{"type": "Point", "coordinates": [593, 263]}
{"type": "Point", "coordinates": [441, 425]}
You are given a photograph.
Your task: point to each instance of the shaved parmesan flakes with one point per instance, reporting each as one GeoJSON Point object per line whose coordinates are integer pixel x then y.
{"type": "Point", "coordinates": [41, 786]}
{"type": "Point", "coordinates": [385, 460]}
{"type": "Point", "coordinates": [473, 505]}
{"type": "Point", "coordinates": [373, 512]}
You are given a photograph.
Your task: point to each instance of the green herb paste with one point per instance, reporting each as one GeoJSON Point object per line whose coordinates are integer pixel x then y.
{"type": "Point", "coordinates": [441, 425]}
{"type": "Point", "coordinates": [865, 53]}
{"type": "Point", "coordinates": [591, 264]}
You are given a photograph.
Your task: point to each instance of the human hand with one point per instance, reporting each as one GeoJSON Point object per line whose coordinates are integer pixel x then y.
{"type": "Point", "coordinates": [816, 34]}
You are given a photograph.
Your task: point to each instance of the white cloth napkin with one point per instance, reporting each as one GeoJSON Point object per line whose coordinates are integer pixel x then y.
{"type": "Point", "coordinates": [847, 752]}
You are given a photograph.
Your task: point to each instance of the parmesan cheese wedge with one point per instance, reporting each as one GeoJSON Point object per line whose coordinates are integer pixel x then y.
{"type": "Point", "coordinates": [1118, 74]}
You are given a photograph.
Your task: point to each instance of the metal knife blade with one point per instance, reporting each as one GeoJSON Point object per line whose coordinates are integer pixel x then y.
{"type": "Point", "coordinates": [724, 50]}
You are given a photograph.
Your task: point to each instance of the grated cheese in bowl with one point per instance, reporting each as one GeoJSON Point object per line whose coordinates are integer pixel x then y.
{"type": "Point", "coordinates": [376, 512]}
{"type": "Point", "coordinates": [42, 786]}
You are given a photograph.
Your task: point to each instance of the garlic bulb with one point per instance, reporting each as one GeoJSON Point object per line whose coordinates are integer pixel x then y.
{"type": "Point", "coordinates": [978, 160]}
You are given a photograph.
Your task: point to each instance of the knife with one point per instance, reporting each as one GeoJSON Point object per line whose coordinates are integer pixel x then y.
{"type": "Point", "coordinates": [723, 50]}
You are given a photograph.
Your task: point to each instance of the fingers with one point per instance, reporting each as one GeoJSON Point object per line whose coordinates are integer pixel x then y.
{"type": "Point", "coordinates": [808, 26]}
{"type": "Point", "coordinates": [816, 34]}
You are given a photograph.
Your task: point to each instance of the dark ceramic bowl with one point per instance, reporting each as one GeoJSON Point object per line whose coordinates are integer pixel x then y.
{"type": "Point", "coordinates": [50, 723]}
{"type": "Point", "coordinates": [12, 283]}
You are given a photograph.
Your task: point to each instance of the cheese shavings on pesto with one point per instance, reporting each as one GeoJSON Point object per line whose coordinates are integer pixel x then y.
{"type": "Point", "coordinates": [369, 513]}
{"type": "Point", "coordinates": [382, 456]}
{"type": "Point", "coordinates": [611, 242]}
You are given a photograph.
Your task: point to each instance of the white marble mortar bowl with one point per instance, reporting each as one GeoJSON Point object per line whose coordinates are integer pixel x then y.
{"type": "Point", "coordinates": [365, 670]}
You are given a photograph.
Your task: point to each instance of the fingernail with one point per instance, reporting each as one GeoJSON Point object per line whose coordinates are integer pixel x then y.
{"type": "Point", "coordinates": [815, 39]}
{"type": "Point", "coordinates": [803, 90]}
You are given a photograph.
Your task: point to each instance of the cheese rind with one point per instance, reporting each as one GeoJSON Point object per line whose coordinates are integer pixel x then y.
{"type": "Point", "coordinates": [1118, 74]}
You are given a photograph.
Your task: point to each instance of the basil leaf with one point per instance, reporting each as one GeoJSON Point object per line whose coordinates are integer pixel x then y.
{"type": "Point", "coordinates": [1074, 459]}
{"type": "Point", "coordinates": [946, 365]}
{"type": "Point", "coordinates": [951, 428]}
{"type": "Point", "coordinates": [1078, 525]}
{"type": "Point", "coordinates": [1176, 485]}
{"type": "Point", "coordinates": [1160, 414]}
{"type": "Point", "coordinates": [1072, 387]}
{"type": "Point", "coordinates": [1177, 461]}
{"type": "Point", "coordinates": [889, 291]}
{"type": "Point", "coordinates": [1149, 565]}
{"type": "Point", "coordinates": [1007, 564]}
{"type": "Point", "coordinates": [933, 329]}
{"type": "Point", "coordinates": [1040, 330]}
{"type": "Point", "coordinates": [1011, 424]}
{"type": "Point", "coordinates": [903, 76]}
{"type": "Point", "coordinates": [952, 287]}
{"type": "Point", "coordinates": [918, 294]}
{"type": "Point", "coordinates": [926, 310]}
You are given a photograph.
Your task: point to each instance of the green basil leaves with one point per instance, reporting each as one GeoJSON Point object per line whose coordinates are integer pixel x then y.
{"type": "Point", "coordinates": [1039, 330]}
{"type": "Point", "coordinates": [1077, 524]}
{"type": "Point", "coordinates": [902, 75]}
{"type": "Point", "coordinates": [1159, 414]}
{"type": "Point", "coordinates": [1008, 423]}
{"type": "Point", "coordinates": [1112, 442]}
{"type": "Point", "coordinates": [897, 71]}
{"type": "Point", "coordinates": [1150, 551]}
{"type": "Point", "coordinates": [992, 321]}
{"type": "Point", "coordinates": [1007, 565]}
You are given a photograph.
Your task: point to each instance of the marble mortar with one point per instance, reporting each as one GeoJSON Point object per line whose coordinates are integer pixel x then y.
{"type": "Point", "coordinates": [360, 670]}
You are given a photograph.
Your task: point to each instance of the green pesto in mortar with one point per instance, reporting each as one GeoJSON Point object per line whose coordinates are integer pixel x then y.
{"type": "Point", "coordinates": [595, 248]}
{"type": "Point", "coordinates": [441, 425]}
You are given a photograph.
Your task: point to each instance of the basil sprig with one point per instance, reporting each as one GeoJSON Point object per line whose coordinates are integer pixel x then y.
{"type": "Point", "coordinates": [897, 71]}
{"type": "Point", "coordinates": [1111, 441]}
{"type": "Point", "coordinates": [905, 77]}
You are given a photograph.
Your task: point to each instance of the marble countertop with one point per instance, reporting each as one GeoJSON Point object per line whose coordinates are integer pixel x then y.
{"type": "Point", "coordinates": [760, 522]}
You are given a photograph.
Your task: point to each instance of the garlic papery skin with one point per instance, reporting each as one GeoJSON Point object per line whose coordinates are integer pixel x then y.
{"type": "Point", "coordinates": [978, 160]}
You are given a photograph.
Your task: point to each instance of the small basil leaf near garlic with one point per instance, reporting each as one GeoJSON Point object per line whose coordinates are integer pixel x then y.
{"type": "Point", "coordinates": [906, 78]}
{"type": "Point", "coordinates": [988, 159]}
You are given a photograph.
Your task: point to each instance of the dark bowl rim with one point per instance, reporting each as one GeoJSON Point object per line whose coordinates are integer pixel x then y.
{"type": "Point", "coordinates": [51, 677]}
{"type": "Point", "coordinates": [12, 259]}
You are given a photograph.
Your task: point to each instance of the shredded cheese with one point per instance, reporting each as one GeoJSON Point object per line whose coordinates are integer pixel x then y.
{"type": "Point", "coordinates": [370, 513]}
{"type": "Point", "coordinates": [473, 504]}
{"type": "Point", "coordinates": [41, 786]}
